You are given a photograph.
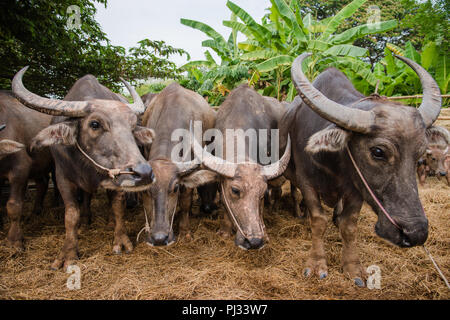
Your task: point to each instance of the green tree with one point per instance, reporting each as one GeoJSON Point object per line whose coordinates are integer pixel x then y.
{"type": "Point", "coordinates": [36, 33]}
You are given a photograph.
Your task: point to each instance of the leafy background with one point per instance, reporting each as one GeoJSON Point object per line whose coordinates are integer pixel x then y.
{"type": "Point", "coordinates": [337, 32]}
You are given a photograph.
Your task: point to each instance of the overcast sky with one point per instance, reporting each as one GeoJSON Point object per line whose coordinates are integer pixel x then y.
{"type": "Point", "coordinates": [127, 22]}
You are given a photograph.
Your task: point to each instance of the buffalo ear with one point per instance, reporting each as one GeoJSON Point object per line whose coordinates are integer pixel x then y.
{"type": "Point", "coordinates": [329, 140]}
{"type": "Point", "coordinates": [144, 136]}
{"type": "Point", "coordinates": [437, 135]}
{"type": "Point", "coordinates": [9, 146]}
{"type": "Point", "coordinates": [199, 178]}
{"type": "Point", "coordinates": [63, 133]}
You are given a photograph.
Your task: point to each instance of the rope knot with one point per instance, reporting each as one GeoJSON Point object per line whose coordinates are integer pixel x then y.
{"type": "Point", "coordinates": [113, 173]}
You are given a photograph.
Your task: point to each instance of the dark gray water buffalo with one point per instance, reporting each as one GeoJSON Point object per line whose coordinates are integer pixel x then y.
{"type": "Point", "coordinates": [17, 165]}
{"type": "Point", "coordinates": [434, 159]}
{"type": "Point", "coordinates": [243, 183]}
{"type": "Point", "coordinates": [385, 141]}
{"type": "Point", "coordinates": [172, 109]}
{"type": "Point", "coordinates": [94, 143]}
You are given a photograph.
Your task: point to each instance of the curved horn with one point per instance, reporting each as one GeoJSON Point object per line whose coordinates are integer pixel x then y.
{"type": "Point", "coordinates": [431, 101]}
{"type": "Point", "coordinates": [3, 126]}
{"type": "Point", "coordinates": [50, 106]}
{"type": "Point", "coordinates": [348, 118]}
{"type": "Point", "coordinates": [216, 164]}
{"type": "Point", "coordinates": [276, 169]}
{"type": "Point", "coordinates": [186, 166]}
{"type": "Point", "coordinates": [137, 106]}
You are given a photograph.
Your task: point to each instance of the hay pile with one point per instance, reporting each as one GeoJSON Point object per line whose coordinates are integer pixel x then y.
{"type": "Point", "coordinates": [209, 267]}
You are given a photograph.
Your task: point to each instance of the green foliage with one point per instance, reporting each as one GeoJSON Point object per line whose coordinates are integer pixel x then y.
{"type": "Point", "coordinates": [272, 46]}
{"type": "Point", "coordinates": [396, 78]}
{"type": "Point", "coordinates": [35, 33]}
{"type": "Point", "coordinates": [285, 33]}
{"type": "Point", "coordinates": [207, 77]}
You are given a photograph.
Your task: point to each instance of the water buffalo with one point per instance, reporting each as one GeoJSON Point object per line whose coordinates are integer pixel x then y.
{"type": "Point", "coordinates": [334, 122]}
{"type": "Point", "coordinates": [94, 143]}
{"type": "Point", "coordinates": [244, 183]}
{"type": "Point", "coordinates": [174, 108]}
{"type": "Point", "coordinates": [433, 162]}
{"type": "Point", "coordinates": [17, 165]}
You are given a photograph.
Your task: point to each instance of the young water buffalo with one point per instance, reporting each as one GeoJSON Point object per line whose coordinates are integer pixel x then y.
{"type": "Point", "coordinates": [336, 124]}
{"type": "Point", "coordinates": [17, 165]}
{"type": "Point", "coordinates": [172, 109]}
{"type": "Point", "coordinates": [433, 162]}
{"type": "Point", "coordinates": [242, 178]}
{"type": "Point", "coordinates": [94, 144]}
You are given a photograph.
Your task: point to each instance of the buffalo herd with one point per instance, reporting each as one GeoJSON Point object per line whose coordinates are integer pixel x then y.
{"type": "Point", "coordinates": [335, 146]}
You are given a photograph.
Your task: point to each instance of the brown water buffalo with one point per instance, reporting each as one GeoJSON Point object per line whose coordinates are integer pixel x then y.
{"type": "Point", "coordinates": [385, 139]}
{"type": "Point", "coordinates": [17, 165]}
{"type": "Point", "coordinates": [94, 143]}
{"type": "Point", "coordinates": [172, 109]}
{"type": "Point", "coordinates": [433, 161]}
{"type": "Point", "coordinates": [243, 183]}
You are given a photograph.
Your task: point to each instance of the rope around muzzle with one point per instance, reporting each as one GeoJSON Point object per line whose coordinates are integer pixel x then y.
{"type": "Point", "coordinates": [112, 173]}
{"type": "Point", "coordinates": [374, 197]}
{"type": "Point", "coordinates": [147, 225]}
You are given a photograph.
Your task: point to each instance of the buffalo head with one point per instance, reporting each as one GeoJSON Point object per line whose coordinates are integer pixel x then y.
{"type": "Point", "coordinates": [105, 130]}
{"type": "Point", "coordinates": [386, 140]}
{"type": "Point", "coordinates": [242, 186]}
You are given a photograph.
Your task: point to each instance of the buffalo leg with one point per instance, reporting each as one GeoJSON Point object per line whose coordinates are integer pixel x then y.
{"type": "Point", "coordinates": [120, 234]}
{"type": "Point", "coordinates": [296, 201]}
{"type": "Point", "coordinates": [185, 208]}
{"type": "Point", "coordinates": [41, 190]}
{"type": "Point", "coordinates": [275, 196]}
{"type": "Point", "coordinates": [69, 252]}
{"type": "Point", "coordinates": [111, 223]}
{"type": "Point", "coordinates": [421, 173]}
{"type": "Point", "coordinates": [316, 263]}
{"type": "Point", "coordinates": [347, 224]}
{"type": "Point", "coordinates": [226, 226]}
{"type": "Point", "coordinates": [14, 208]}
{"type": "Point", "coordinates": [86, 214]}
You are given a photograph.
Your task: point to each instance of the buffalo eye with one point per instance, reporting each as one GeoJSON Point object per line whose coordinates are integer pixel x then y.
{"type": "Point", "coordinates": [175, 189]}
{"type": "Point", "coordinates": [377, 153]}
{"type": "Point", "coordinates": [94, 125]}
{"type": "Point", "coordinates": [235, 191]}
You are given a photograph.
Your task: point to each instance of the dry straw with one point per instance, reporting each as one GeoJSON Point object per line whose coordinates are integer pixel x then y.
{"type": "Point", "coordinates": [210, 267]}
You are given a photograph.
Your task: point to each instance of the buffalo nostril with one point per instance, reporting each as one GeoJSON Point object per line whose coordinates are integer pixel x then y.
{"type": "Point", "coordinates": [256, 243]}
{"type": "Point", "coordinates": [144, 171]}
{"type": "Point", "coordinates": [159, 239]}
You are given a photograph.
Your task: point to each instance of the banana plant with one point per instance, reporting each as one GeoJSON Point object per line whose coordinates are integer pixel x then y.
{"type": "Point", "coordinates": [272, 46]}
{"type": "Point", "coordinates": [398, 79]}
{"type": "Point", "coordinates": [217, 78]}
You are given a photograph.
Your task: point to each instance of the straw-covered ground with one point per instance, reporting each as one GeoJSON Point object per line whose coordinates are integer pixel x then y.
{"type": "Point", "coordinates": [209, 267]}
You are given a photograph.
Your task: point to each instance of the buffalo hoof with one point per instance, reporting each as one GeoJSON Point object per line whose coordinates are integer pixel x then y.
{"type": "Point", "coordinates": [17, 245]}
{"type": "Point", "coordinates": [360, 282]}
{"type": "Point", "coordinates": [122, 241]}
{"type": "Point", "coordinates": [65, 259]}
{"type": "Point", "coordinates": [317, 267]}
